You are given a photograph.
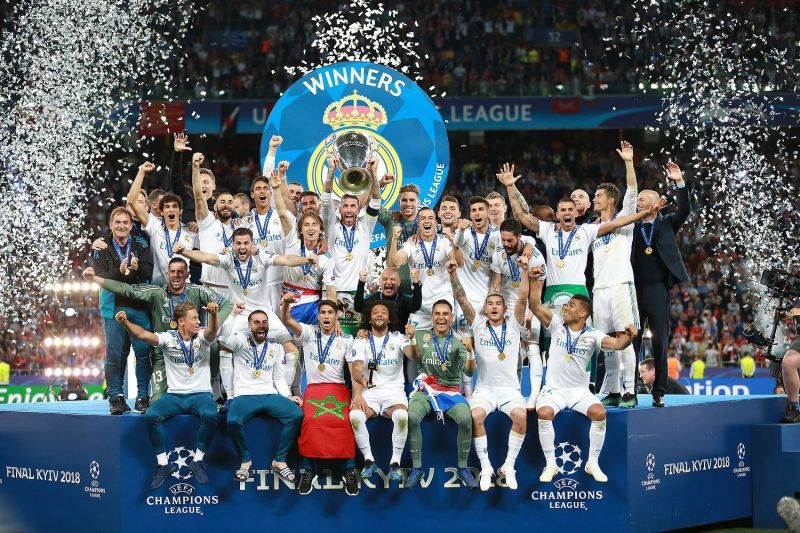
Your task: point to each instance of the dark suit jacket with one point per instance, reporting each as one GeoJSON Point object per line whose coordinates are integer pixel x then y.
{"type": "Point", "coordinates": [664, 240]}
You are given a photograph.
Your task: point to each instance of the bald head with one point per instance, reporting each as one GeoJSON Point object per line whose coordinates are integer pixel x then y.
{"type": "Point", "coordinates": [582, 201]}
{"type": "Point", "coordinates": [646, 199]}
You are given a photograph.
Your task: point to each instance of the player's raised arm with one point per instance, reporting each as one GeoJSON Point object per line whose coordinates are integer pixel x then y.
{"type": "Point", "coordinates": [459, 293]}
{"type": "Point", "coordinates": [521, 304]}
{"type": "Point", "coordinates": [608, 227]}
{"type": "Point", "coordinates": [200, 203]}
{"type": "Point", "coordinates": [518, 203]}
{"type": "Point", "coordinates": [622, 341]}
{"type": "Point", "coordinates": [210, 333]}
{"type": "Point", "coordinates": [277, 180]}
{"type": "Point", "coordinates": [286, 315]}
{"type": "Point", "coordinates": [137, 331]}
{"type": "Point", "coordinates": [625, 152]}
{"type": "Point", "coordinates": [397, 257]}
{"type": "Point", "coordinates": [196, 255]}
{"type": "Point", "coordinates": [136, 188]}
{"type": "Point", "coordinates": [541, 311]}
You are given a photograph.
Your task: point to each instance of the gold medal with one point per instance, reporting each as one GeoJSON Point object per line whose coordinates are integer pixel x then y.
{"type": "Point", "coordinates": [648, 250]}
{"type": "Point", "coordinates": [501, 356]}
{"type": "Point", "coordinates": [515, 284]}
{"type": "Point", "coordinates": [244, 292]}
{"type": "Point", "coordinates": [173, 324]}
{"type": "Point", "coordinates": [476, 264]}
{"type": "Point", "coordinates": [429, 272]}
{"type": "Point", "coordinates": [605, 249]}
{"type": "Point", "coordinates": [264, 242]}
{"type": "Point", "coordinates": [444, 367]}
{"type": "Point", "coordinates": [561, 263]}
{"type": "Point", "coordinates": [127, 271]}
{"type": "Point", "coordinates": [321, 367]}
{"type": "Point", "coordinates": [191, 370]}
{"type": "Point", "coordinates": [348, 257]}
{"type": "Point", "coordinates": [224, 251]}
{"type": "Point", "coordinates": [305, 279]}
{"type": "Point", "coordinates": [256, 373]}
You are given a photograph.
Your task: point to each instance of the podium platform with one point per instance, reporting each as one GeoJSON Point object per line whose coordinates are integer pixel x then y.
{"type": "Point", "coordinates": [776, 465]}
{"type": "Point", "coordinates": [72, 467]}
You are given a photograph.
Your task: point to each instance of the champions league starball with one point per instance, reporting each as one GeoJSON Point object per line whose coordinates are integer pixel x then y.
{"type": "Point", "coordinates": [409, 135]}
{"type": "Point", "coordinates": [568, 458]}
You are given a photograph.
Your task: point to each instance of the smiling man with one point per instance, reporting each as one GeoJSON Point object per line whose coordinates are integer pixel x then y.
{"type": "Point", "coordinates": [389, 293]}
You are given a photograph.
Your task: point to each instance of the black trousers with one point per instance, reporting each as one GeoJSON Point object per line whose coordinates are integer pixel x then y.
{"type": "Point", "coordinates": [653, 302]}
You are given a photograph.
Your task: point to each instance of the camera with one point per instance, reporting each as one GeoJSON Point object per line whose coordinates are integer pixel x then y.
{"type": "Point", "coordinates": [781, 283]}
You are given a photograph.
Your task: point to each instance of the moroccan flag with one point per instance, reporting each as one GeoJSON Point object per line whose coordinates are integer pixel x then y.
{"type": "Point", "coordinates": [326, 432]}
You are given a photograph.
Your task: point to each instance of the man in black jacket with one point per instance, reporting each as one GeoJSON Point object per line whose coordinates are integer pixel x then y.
{"type": "Point", "coordinates": [647, 371]}
{"type": "Point", "coordinates": [400, 308]}
{"type": "Point", "coordinates": [657, 266]}
{"type": "Point", "coordinates": [129, 259]}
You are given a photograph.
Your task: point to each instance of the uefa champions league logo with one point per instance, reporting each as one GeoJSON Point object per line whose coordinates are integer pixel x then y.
{"type": "Point", "coordinates": [650, 462]}
{"type": "Point", "coordinates": [568, 458]}
{"type": "Point", "coordinates": [741, 451]}
{"type": "Point", "coordinates": [181, 456]}
{"type": "Point", "coordinates": [94, 469]}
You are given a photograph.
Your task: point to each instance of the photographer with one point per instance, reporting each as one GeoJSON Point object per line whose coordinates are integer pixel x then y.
{"type": "Point", "coordinates": [789, 367]}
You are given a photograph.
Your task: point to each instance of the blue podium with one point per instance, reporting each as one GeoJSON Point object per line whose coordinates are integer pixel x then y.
{"type": "Point", "coordinates": [776, 470]}
{"type": "Point", "coordinates": [72, 467]}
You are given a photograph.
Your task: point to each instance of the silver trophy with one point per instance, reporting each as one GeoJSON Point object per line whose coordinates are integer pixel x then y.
{"type": "Point", "coordinates": [353, 150]}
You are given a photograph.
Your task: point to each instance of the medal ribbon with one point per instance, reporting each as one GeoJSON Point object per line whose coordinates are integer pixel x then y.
{"type": "Point", "coordinates": [188, 354]}
{"type": "Point", "coordinates": [441, 353]}
{"type": "Point", "coordinates": [563, 250]}
{"type": "Point", "coordinates": [426, 256]}
{"type": "Point", "coordinates": [169, 243]}
{"type": "Point", "coordinates": [307, 267]}
{"type": "Point", "coordinates": [572, 345]}
{"type": "Point", "coordinates": [244, 280]}
{"type": "Point", "coordinates": [414, 228]}
{"type": "Point", "coordinates": [377, 358]}
{"type": "Point", "coordinates": [501, 343]}
{"type": "Point", "coordinates": [226, 241]}
{"type": "Point", "coordinates": [607, 237]}
{"type": "Point", "coordinates": [479, 250]}
{"type": "Point", "coordinates": [323, 354]}
{"type": "Point", "coordinates": [258, 359]}
{"type": "Point", "coordinates": [127, 254]}
{"type": "Point", "coordinates": [648, 239]}
{"type": "Point", "coordinates": [349, 238]}
{"type": "Point", "coordinates": [181, 299]}
{"type": "Point", "coordinates": [263, 232]}
{"type": "Point", "coordinates": [513, 267]}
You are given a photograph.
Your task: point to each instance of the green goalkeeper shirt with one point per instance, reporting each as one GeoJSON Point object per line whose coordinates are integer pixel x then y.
{"type": "Point", "coordinates": [430, 364]}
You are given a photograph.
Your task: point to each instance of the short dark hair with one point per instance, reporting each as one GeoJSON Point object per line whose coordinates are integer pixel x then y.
{"type": "Point", "coordinates": [442, 302]}
{"type": "Point", "coordinates": [426, 208]}
{"type": "Point", "coordinates": [566, 200]}
{"type": "Point", "coordinates": [309, 193]}
{"type": "Point", "coordinates": [478, 200]}
{"type": "Point", "coordinates": [155, 194]}
{"type": "Point", "coordinates": [169, 197]}
{"type": "Point", "coordinates": [182, 309]}
{"type": "Point", "coordinates": [449, 198]}
{"type": "Point", "coordinates": [346, 196]}
{"type": "Point", "coordinates": [296, 183]}
{"type": "Point", "coordinates": [260, 178]}
{"type": "Point", "coordinates": [649, 363]}
{"type": "Point", "coordinates": [410, 188]}
{"type": "Point", "coordinates": [208, 172]}
{"type": "Point", "coordinates": [257, 312]}
{"type": "Point", "coordinates": [178, 260]}
{"type": "Point", "coordinates": [587, 303]}
{"type": "Point", "coordinates": [242, 231]}
{"type": "Point", "coordinates": [329, 303]}
{"type": "Point", "coordinates": [611, 190]}
{"type": "Point", "coordinates": [366, 315]}
{"type": "Point", "coordinates": [511, 224]}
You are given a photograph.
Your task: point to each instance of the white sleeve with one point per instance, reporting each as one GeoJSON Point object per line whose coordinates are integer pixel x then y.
{"type": "Point", "coordinates": [201, 336]}
{"type": "Point", "coordinates": [409, 249]}
{"type": "Point", "coordinates": [225, 261]}
{"type": "Point", "coordinates": [497, 262]}
{"type": "Point", "coordinates": [598, 339]}
{"type": "Point", "coordinates": [527, 239]}
{"type": "Point", "coordinates": [512, 321]}
{"type": "Point", "coordinates": [555, 323]}
{"type": "Point", "coordinates": [460, 238]}
{"type": "Point", "coordinates": [153, 226]}
{"type": "Point", "coordinates": [402, 340]}
{"type": "Point", "coordinates": [591, 231]}
{"type": "Point", "coordinates": [269, 165]}
{"type": "Point", "coordinates": [266, 258]}
{"type": "Point", "coordinates": [207, 222]}
{"type": "Point", "coordinates": [307, 333]}
{"type": "Point", "coordinates": [227, 336]}
{"type": "Point", "coordinates": [629, 201]}
{"type": "Point", "coordinates": [279, 372]}
{"type": "Point", "coordinates": [544, 228]}
{"type": "Point", "coordinates": [328, 271]}
{"type": "Point", "coordinates": [359, 351]}
{"type": "Point", "coordinates": [165, 337]}
{"type": "Point", "coordinates": [350, 353]}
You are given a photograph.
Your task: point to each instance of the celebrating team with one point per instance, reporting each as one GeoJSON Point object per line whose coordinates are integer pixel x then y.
{"type": "Point", "coordinates": [283, 294]}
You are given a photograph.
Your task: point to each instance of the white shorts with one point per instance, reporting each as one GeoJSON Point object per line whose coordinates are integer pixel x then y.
{"type": "Point", "coordinates": [578, 399]}
{"type": "Point", "coordinates": [273, 295]}
{"type": "Point", "coordinates": [379, 400]}
{"type": "Point", "coordinates": [492, 399]}
{"type": "Point", "coordinates": [615, 307]}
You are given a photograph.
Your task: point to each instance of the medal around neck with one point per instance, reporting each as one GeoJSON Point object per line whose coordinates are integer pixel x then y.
{"type": "Point", "coordinates": [362, 109]}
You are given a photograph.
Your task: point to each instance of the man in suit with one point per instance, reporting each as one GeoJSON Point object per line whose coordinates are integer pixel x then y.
{"type": "Point", "coordinates": [647, 371]}
{"type": "Point", "coordinates": [657, 266]}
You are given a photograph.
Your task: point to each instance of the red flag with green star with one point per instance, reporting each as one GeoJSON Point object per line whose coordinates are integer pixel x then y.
{"type": "Point", "coordinates": [326, 432]}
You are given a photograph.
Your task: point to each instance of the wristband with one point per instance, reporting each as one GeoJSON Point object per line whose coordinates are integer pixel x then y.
{"type": "Point", "coordinates": [413, 341]}
{"type": "Point", "coordinates": [470, 356]}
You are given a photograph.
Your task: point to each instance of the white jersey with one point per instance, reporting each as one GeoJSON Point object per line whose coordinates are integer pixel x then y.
{"type": "Point", "coordinates": [346, 270]}
{"type": "Point", "coordinates": [511, 273]}
{"type": "Point", "coordinates": [612, 253]}
{"type": "Point", "coordinates": [158, 232]}
{"type": "Point", "coordinates": [256, 286]}
{"type": "Point", "coordinates": [215, 238]}
{"type": "Point", "coordinates": [571, 368]}
{"type": "Point", "coordinates": [435, 286]}
{"type": "Point", "coordinates": [270, 238]}
{"type": "Point", "coordinates": [339, 353]}
{"type": "Point", "coordinates": [493, 371]}
{"type": "Point", "coordinates": [268, 378]}
{"type": "Point", "coordinates": [388, 358]}
{"type": "Point", "coordinates": [179, 379]}
{"type": "Point", "coordinates": [307, 281]}
{"type": "Point", "coordinates": [574, 270]}
{"type": "Point", "coordinates": [475, 275]}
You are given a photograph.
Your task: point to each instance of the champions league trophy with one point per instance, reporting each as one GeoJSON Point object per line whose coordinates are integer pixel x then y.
{"type": "Point", "coordinates": [353, 149]}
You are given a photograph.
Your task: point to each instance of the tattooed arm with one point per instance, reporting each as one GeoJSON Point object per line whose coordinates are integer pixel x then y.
{"type": "Point", "coordinates": [459, 293]}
